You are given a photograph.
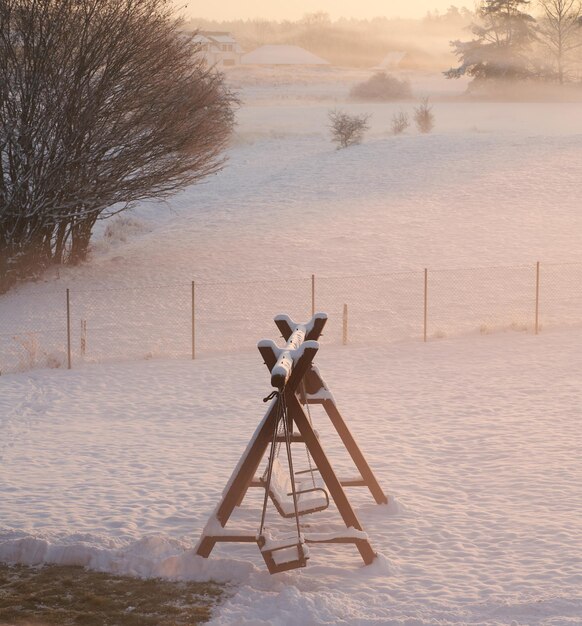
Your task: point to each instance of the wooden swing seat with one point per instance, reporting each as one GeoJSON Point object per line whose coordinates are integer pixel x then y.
{"type": "Point", "coordinates": [309, 499]}
{"type": "Point", "coordinates": [284, 554]}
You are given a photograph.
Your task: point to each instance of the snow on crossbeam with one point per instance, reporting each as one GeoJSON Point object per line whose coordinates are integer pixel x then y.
{"type": "Point", "coordinates": [287, 357]}
{"type": "Point", "coordinates": [312, 328]}
{"type": "Point", "coordinates": [299, 337]}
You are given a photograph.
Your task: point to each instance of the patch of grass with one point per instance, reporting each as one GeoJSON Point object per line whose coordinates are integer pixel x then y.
{"type": "Point", "coordinates": [43, 596]}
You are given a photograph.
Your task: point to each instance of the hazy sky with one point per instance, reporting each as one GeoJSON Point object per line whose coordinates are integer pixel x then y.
{"type": "Point", "coordinates": [287, 9]}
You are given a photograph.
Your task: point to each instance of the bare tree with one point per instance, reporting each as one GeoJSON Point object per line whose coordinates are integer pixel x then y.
{"type": "Point", "coordinates": [346, 129]}
{"type": "Point", "coordinates": [560, 32]}
{"type": "Point", "coordinates": [102, 103]}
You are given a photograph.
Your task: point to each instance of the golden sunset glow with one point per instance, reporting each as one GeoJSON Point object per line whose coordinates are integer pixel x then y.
{"type": "Point", "coordinates": [291, 312]}
{"type": "Point", "coordinates": [267, 9]}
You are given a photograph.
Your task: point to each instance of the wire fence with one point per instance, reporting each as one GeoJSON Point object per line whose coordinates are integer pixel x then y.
{"type": "Point", "coordinates": [67, 327]}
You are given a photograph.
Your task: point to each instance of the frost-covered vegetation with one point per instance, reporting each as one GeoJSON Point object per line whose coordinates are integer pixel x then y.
{"type": "Point", "coordinates": [347, 129]}
{"type": "Point", "coordinates": [424, 117]}
{"type": "Point", "coordinates": [400, 122]}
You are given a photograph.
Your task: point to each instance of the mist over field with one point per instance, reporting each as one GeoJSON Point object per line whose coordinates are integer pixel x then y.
{"type": "Point", "coordinates": [351, 42]}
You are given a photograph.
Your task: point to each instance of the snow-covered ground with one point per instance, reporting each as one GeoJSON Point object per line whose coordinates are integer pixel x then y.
{"type": "Point", "coordinates": [118, 465]}
{"type": "Point", "coordinates": [478, 442]}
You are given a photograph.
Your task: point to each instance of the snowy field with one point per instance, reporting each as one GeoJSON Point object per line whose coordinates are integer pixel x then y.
{"type": "Point", "coordinates": [495, 185]}
{"type": "Point", "coordinates": [476, 438]}
{"type": "Point", "coordinates": [478, 441]}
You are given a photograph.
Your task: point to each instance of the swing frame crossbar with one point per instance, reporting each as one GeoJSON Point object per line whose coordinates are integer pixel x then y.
{"type": "Point", "coordinates": [290, 367]}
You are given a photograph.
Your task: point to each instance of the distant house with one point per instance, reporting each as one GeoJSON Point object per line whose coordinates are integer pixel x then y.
{"type": "Point", "coordinates": [282, 55]}
{"type": "Point", "coordinates": [220, 49]}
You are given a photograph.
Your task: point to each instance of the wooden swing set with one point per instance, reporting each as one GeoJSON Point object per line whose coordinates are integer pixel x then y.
{"type": "Point", "coordinates": [298, 384]}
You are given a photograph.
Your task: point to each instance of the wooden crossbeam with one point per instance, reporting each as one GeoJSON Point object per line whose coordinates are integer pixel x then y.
{"type": "Point", "coordinates": [345, 482]}
{"type": "Point", "coordinates": [233, 538]}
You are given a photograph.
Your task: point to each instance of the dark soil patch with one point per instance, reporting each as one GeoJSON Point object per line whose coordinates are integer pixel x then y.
{"type": "Point", "coordinates": [42, 596]}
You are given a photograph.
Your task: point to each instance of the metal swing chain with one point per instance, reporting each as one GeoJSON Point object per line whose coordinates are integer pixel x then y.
{"type": "Point", "coordinates": [272, 453]}
{"type": "Point", "coordinates": [290, 459]}
{"type": "Point", "coordinates": [280, 420]}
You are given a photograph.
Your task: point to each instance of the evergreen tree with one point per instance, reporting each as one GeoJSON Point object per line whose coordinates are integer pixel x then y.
{"type": "Point", "coordinates": [503, 35]}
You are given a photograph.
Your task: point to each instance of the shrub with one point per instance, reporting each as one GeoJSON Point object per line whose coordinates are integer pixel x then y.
{"type": "Point", "coordinates": [400, 122]}
{"type": "Point", "coordinates": [122, 228]}
{"type": "Point", "coordinates": [424, 117]}
{"type": "Point", "coordinates": [32, 354]}
{"type": "Point", "coordinates": [347, 129]}
{"type": "Point", "coordinates": [381, 87]}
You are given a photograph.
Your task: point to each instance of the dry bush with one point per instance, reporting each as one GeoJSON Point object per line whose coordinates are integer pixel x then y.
{"type": "Point", "coordinates": [347, 129]}
{"type": "Point", "coordinates": [381, 87]}
{"type": "Point", "coordinates": [400, 122]}
{"type": "Point", "coordinates": [123, 228]}
{"type": "Point", "coordinates": [424, 117]}
{"type": "Point", "coordinates": [33, 355]}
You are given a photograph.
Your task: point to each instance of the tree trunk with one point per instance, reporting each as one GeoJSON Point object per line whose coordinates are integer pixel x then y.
{"type": "Point", "coordinates": [80, 238]}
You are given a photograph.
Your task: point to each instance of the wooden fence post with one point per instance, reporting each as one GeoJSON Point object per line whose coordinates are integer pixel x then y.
{"type": "Point", "coordinates": [83, 338]}
{"type": "Point", "coordinates": [345, 326]}
{"type": "Point", "coordinates": [68, 329]}
{"type": "Point", "coordinates": [312, 295]}
{"type": "Point", "coordinates": [537, 323]}
{"type": "Point", "coordinates": [193, 320]}
{"type": "Point", "coordinates": [425, 303]}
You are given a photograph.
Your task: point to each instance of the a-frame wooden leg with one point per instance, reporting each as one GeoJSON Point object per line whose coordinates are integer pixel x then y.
{"type": "Point", "coordinates": [241, 477]}
{"type": "Point", "coordinates": [336, 490]}
{"type": "Point", "coordinates": [354, 451]}
{"type": "Point", "coordinates": [328, 403]}
{"type": "Point", "coordinates": [205, 546]}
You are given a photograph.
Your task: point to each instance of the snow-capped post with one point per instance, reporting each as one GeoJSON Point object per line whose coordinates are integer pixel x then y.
{"type": "Point", "coordinates": [537, 326]}
{"type": "Point", "coordinates": [312, 295]}
{"type": "Point", "coordinates": [345, 326]}
{"type": "Point", "coordinates": [68, 329]}
{"type": "Point", "coordinates": [425, 303]}
{"type": "Point", "coordinates": [193, 320]}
